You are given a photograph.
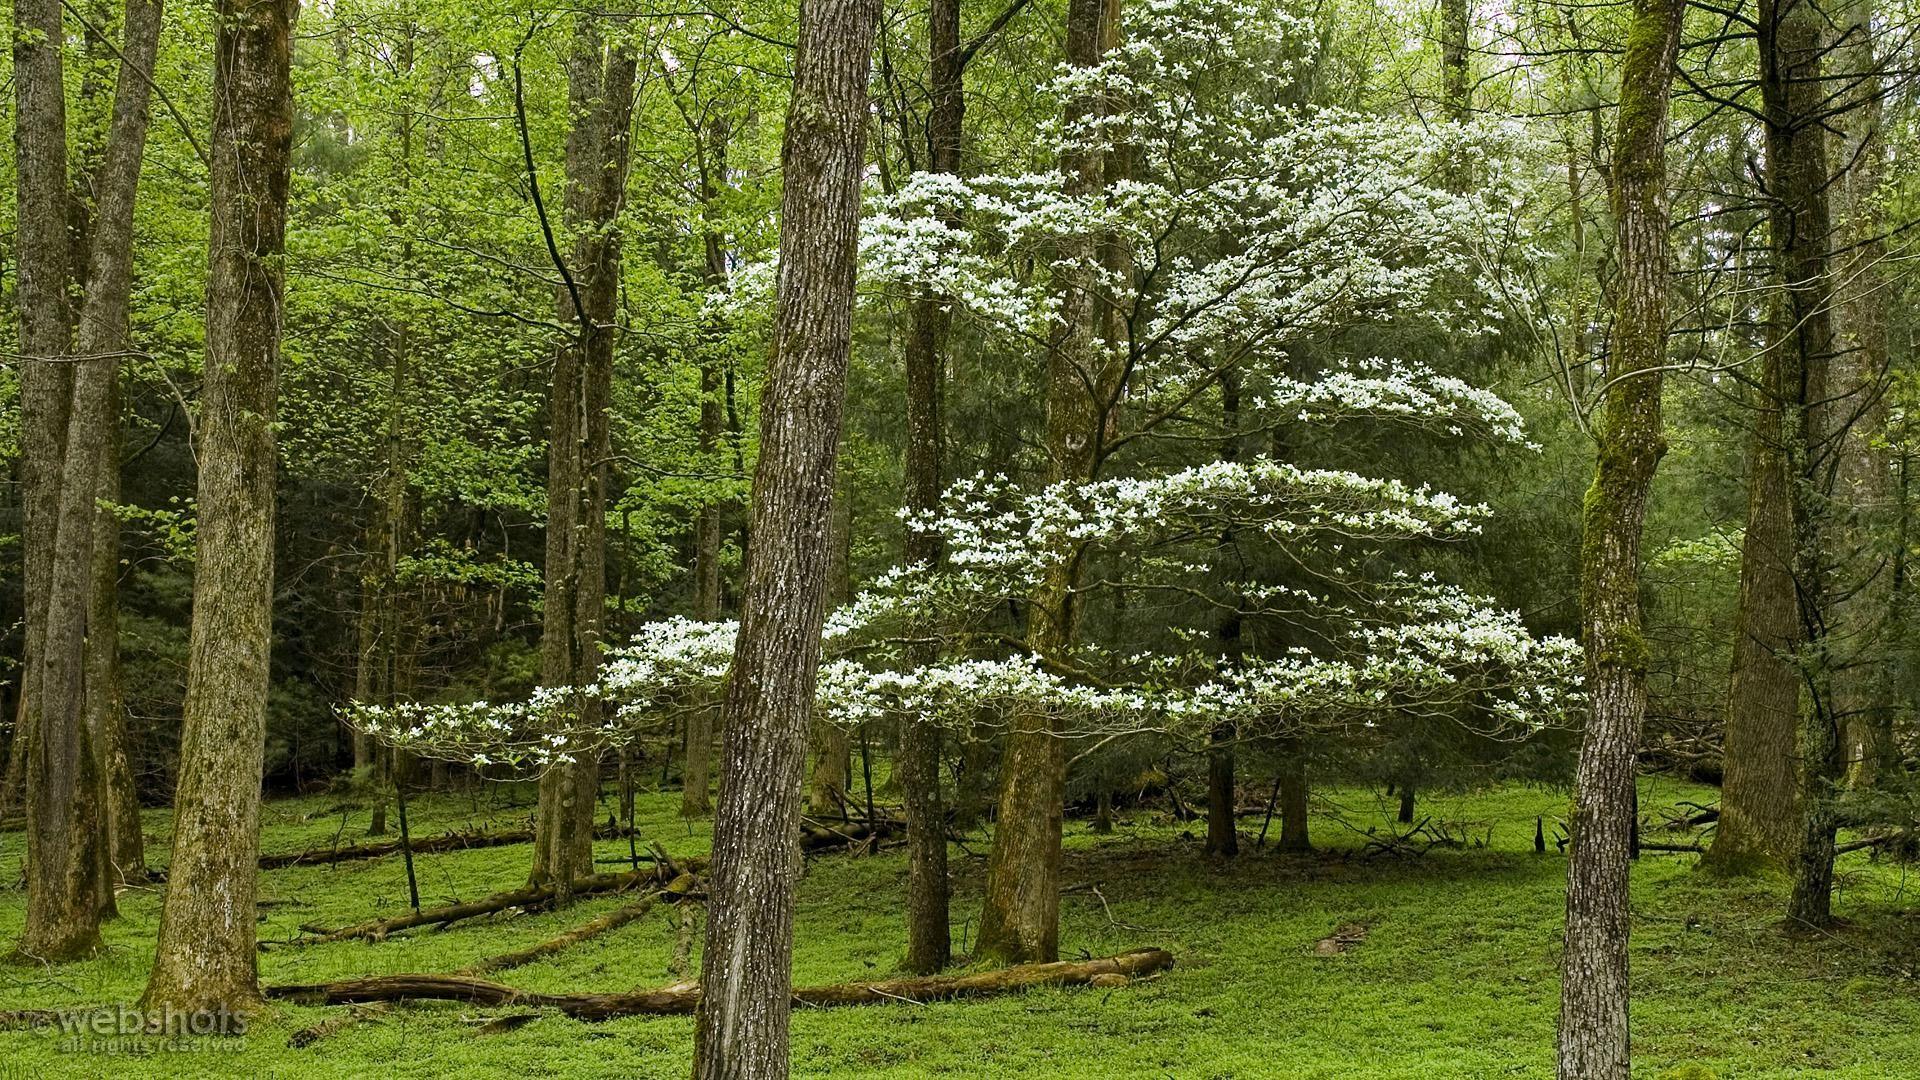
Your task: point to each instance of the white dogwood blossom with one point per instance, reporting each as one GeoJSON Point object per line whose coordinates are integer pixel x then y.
{"type": "Point", "coordinates": [1252, 229]}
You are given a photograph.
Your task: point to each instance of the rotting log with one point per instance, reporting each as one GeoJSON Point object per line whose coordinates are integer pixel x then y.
{"type": "Point", "coordinates": [682, 999]}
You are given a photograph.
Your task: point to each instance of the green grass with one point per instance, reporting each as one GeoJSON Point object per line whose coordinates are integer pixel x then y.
{"type": "Point", "coordinates": [1456, 978]}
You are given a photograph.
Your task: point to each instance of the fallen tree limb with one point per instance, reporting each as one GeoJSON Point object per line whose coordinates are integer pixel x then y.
{"type": "Point", "coordinates": [453, 841]}
{"type": "Point", "coordinates": [612, 920]}
{"type": "Point", "coordinates": [674, 879]}
{"type": "Point", "coordinates": [1873, 841]}
{"type": "Point", "coordinates": [680, 1000]}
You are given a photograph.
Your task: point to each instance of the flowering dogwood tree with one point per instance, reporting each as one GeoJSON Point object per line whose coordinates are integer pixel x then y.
{"type": "Point", "coordinates": [1249, 233]}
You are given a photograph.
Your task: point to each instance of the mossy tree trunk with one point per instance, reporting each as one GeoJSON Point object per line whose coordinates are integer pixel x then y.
{"type": "Point", "coordinates": [1593, 1043]}
{"type": "Point", "coordinates": [205, 957]}
{"type": "Point", "coordinates": [747, 965]}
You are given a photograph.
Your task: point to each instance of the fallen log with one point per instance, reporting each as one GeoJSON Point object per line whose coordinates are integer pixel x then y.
{"type": "Point", "coordinates": [817, 835]}
{"type": "Point", "coordinates": [612, 920]}
{"type": "Point", "coordinates": [681, 1000]}
{"type": "Point", "coordinates": [453, 841]}
{"type": "Point", "coordinates": [674, 879]}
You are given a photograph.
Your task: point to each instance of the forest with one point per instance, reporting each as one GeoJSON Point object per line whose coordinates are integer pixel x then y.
{"type": "Point", "coordinates": [902, 538]}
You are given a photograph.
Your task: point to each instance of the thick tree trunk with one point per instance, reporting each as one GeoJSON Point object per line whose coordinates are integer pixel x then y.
{"type": "Point", "coordinates": [600, 98]}
{"type": "Point", "coordinates": [205, 955]}
{"type": "Point", "coordinates": [1759, 807]}
{"type": "Point", "coordinates": [1793, 41]}
{"type": "Point", "coordinates": [1593, 1043]}
{"type": "Point", "coordinates": [42, 276]}
{"type": "Point", "coordinates": [746, 968]}
{"type": "Point", "coordinates": [1020, 920]}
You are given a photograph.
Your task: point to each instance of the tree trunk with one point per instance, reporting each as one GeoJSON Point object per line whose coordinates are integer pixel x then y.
{"type": "Point", "coordinates": [746, 968]}
{"type": "Point", "coordinates": [1792, 41]}
{"type": "Point", "coordinates": [205, 954]}
{"type": "Point", "coordinates": [106, 707]}
{"type": "Point", "coordinates": [1020, 921]}
{"type": "Point", "coordinates": [45, 334]}
{"type": "Point", "coordinates": [1405, 816]}
{"type": "Point", "coordinates": [600, 98]}
{"type": "Point", "coordinates": [1863, 677]}
{"type": "Point", "coordinates": [70, 887]}
{"type": "Point", "coordinates": [1294, 794]}
{"type": "Point", "coordinates": [1593, 1042]}
{"type": "Point", "coordinates": [697, 774]}
{"type": "Point", "coordinates": [1759, 809]}
{"type": "Point", "coordinates": [929, 937]}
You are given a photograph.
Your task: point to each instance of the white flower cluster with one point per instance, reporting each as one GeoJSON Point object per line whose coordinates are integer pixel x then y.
{"type": "Point", "coordinates": [1250, 227]}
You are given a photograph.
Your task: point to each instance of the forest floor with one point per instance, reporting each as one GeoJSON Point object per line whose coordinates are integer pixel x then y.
{"type": "Point", "coordinates": [1456, 975]}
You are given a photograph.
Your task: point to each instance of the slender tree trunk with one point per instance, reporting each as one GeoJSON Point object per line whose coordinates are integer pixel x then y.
{"type": "Point", "coordinates": [929, 938]}
{"type": "Point", "coordinates": [106, 707]}
{"type": "Point", "coordinates": [1223, 828]}
{"type": "Point", "coordinates": [698, 771]}
{"type": "Point", "coordinates": [205, 957]}
{"type": "Point", "coordinates": [1020, 921]}
{"type": "Point", "coordinates": [1593, 1042]}
{"type": "Point", "coordinates": [746, 968]}
{"type": "Point", "coordinates": [600, 104]}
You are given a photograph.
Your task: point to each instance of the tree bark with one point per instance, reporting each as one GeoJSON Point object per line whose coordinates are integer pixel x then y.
{"type": "Point", "coordinates": [1294, 795]}
{"type": "Point", "coordinates": [929, 936]}
{"type": "Point", "coordinates": [106, 706]}
{"type": "Point", "coordinates": [1793, 43]}
{"type": "Point", "coordinates": [746, 968]}
{"type": "Point", "coordinates": [600, 99]}
{"type": "Point", "coordinates": [697, 773]}
{"type": "Point", "coordinates": [1864, 694]}
{"type": "Point", "coordinates": [1759, 807]}
{"type": "Point", "coordinates": [70, 887]}
{"type": "Point", "coordinates": [45, 333]}
{"type": "Point", "coordinates": [1593, 1042]}
{"type": "Point", "coordinates": [1020, 921]}
{"type": "Point", "coordinates": [205, 955]}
